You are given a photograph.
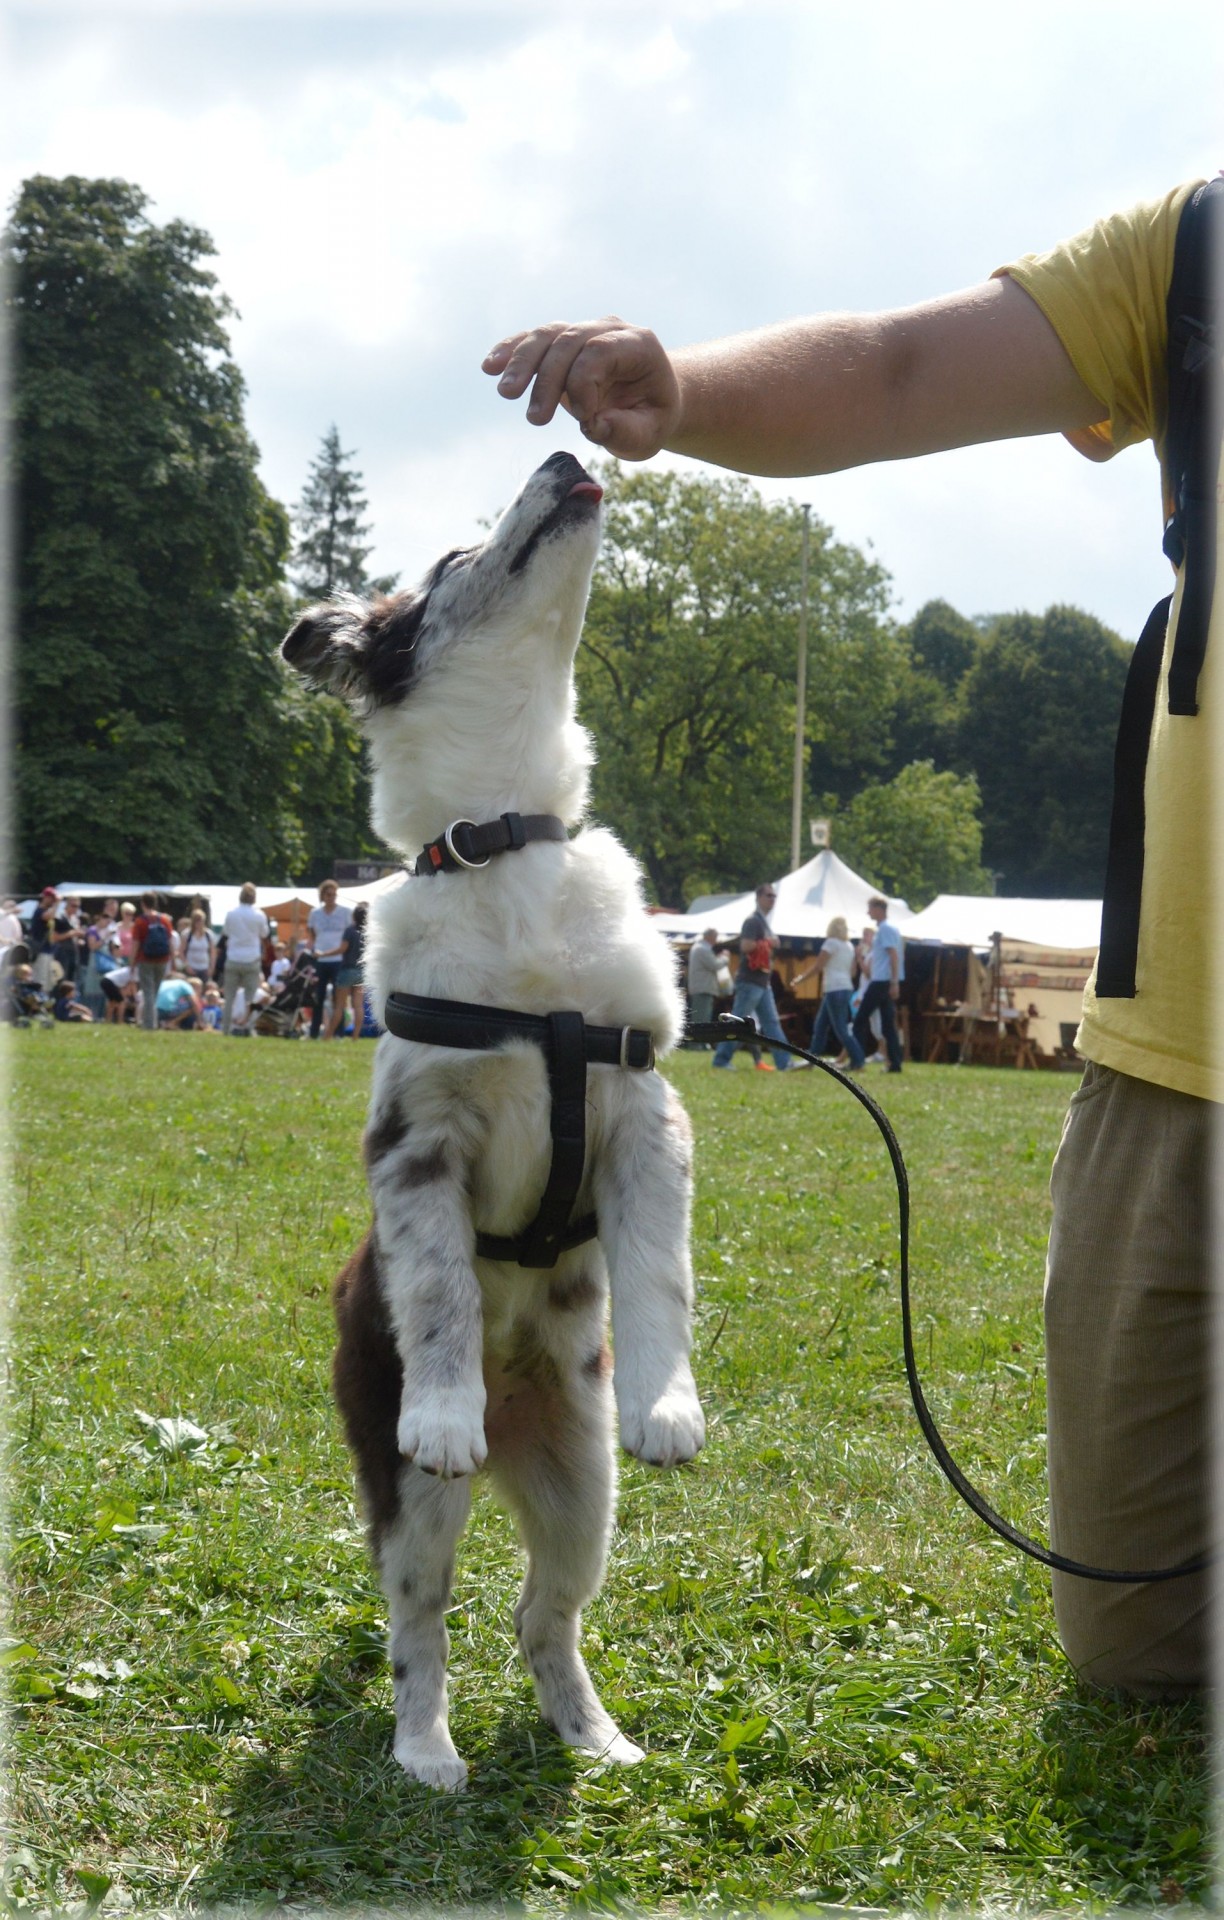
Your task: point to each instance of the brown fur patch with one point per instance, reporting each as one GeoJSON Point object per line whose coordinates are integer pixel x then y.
{"type": "Point", "coordinates": [599, 1366]}
{"type": "Point", "coordinates": [568, 1294]}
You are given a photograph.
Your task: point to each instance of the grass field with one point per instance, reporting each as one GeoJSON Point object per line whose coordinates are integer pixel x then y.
{"type": "Point", "coordinates": [852, 1694]}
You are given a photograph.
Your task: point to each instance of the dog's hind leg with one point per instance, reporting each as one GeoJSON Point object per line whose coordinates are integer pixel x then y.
{"type": "Point", "coordinates": [416, 1562]}
{"type": "Point", "coordinates": [551, 1455]}
{"type": "Point", "coordinates": [643, 1183]}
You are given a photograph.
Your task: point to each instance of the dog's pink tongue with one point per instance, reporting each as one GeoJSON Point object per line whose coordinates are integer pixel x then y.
{"type": "Point", "coordinates": [587, 489]}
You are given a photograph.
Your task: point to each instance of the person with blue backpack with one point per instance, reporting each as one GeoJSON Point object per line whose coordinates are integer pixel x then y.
{"type": "Point", "coordinates": [1111, 338]}
{"type": "Point", "coordinates": [150, 956]}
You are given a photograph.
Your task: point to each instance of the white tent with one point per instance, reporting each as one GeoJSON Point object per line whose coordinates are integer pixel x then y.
{"type": "Point", "coordinates": [972, 920]}
{"type": "Point", "coordinates": [1046, 951]}
{"type": "Point", "coordinates": [284, 902]}
{"type": "Point", "coordinates": [807, 900]}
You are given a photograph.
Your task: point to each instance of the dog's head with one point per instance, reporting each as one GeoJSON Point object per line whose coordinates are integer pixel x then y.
{"type": "Point", "coordinates": [464, 685]}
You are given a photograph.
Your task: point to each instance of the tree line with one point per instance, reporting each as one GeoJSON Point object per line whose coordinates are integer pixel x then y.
{"type": "Point", "coordinates": [157, 734]}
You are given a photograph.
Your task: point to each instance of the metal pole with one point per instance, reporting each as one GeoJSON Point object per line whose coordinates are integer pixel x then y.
{"type": "Point", "coordinates": [800, 696]}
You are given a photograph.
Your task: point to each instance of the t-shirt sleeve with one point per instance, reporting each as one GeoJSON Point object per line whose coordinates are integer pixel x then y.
{"type": "Point", "coordinates": [1104, 294]}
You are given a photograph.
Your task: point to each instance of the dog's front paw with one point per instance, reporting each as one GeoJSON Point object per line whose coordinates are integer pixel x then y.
{"type": "Point", "coordinates": [667, 1433]}
{"type": "Point", "coordinates": [432, 1760]}
{"type": "Point", "coordinates": [443, 1433]}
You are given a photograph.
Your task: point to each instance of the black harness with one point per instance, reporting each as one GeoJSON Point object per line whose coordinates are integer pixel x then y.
{"type": "Point", "coordinates": [567, 1042]}
{"type": "Point", "coordinates": [1192, 452]}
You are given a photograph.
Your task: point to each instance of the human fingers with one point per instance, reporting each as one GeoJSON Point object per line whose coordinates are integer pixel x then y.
{"type": "Point", "coordinates": [544, 359]}
{"type": "Point", "coordinates": [519, 358]}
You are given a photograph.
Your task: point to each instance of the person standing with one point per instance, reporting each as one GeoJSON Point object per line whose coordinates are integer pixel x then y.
{"type": "Point", "coordinates": [886, 971]}
{"type": "Point", "coordinates": [704, 968]}
{"type": "Point", "coordinates": [11, 929]}
{"type": "Point", "coordinates": [835, 964]}
{"type": "Point", "coordinates": [1093, 339]}
{"type": "Point", "coordinates": [349, 978]}
{"type": "Point", "coordinates": [199, 950]}
{"type": "Point", "coordinates": [99, 936]}
{"type": "Point", "coordinates": [753, 994]}
{"type": "Point", "coordinates": [246, 929]}
{"type": "Point", "coordinates": [67, 935]}
{"type": "Point", "coordinates": [326, 925]}
{"type": "Point", "coordinates": [38, 938]}
{"type": "Point", "coordinates": [151, 947]}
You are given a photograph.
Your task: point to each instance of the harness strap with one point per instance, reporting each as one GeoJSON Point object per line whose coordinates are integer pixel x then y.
{"type": "Point", "coordinates": [466, 845]}
{"type": "Point", "coordinates": [1119, 951]}
{"type": "Point", "coordinates": [568, 1044]}
{"type": "Point", "coordinates": [1196, 421]}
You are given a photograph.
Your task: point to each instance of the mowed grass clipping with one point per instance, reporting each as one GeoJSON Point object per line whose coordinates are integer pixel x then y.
{"type": "Point", "coordinates": [852, 1695]}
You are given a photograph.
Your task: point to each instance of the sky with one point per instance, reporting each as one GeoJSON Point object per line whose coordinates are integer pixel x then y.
{"type": "Point", "coordinates": [390, 189]}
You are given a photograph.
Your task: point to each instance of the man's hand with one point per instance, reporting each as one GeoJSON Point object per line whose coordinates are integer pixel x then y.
{"type": "Point", "coordinates": [616, 380]}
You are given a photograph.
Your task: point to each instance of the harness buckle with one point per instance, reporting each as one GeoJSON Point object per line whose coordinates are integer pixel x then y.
{"type": "Point", "coordinates": [626, 1037]}
{"type": "Point", "coordinates": [449, 838]}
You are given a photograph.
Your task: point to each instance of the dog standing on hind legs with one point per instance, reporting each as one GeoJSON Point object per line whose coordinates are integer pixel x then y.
{"type": "Point", "coordinates": [452, 1353]}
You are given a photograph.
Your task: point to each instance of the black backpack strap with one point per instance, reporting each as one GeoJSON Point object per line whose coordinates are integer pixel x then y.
{"type": "Point", "coordinates": [1196, 421]}
{"type": "Point", "coordinates": [1117, 958]}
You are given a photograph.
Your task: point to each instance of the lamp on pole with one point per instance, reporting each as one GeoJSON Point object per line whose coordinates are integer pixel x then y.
{"type": "Point", "coordinates": [800, 694]}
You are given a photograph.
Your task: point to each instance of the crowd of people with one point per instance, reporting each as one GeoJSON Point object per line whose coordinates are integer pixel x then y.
{"type": "Point", "coordinates": [860, 986]}
{"type": "Point", "coordinates": [129, 962]}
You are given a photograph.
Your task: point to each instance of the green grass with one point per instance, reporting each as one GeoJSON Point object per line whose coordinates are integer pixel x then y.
{"type": "Point", "coordinates": [851, 1693]}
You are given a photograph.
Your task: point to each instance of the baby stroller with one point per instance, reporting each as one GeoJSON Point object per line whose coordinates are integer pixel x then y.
{"type": "Point", "coordinates": [22, 1001]}
{"type": "Point", "coordinates": [279, 1019]}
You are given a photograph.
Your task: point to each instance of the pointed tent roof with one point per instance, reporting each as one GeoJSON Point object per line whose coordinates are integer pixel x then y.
{"type": "Point", "coordinates": [807, 901]}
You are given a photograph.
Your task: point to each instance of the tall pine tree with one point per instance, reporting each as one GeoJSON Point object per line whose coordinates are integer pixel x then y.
{"type": "Point", "coordinates": [329, 556]}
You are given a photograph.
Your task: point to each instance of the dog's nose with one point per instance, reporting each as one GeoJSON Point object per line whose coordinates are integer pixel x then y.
{"type": "Point", "coordinates": [565, 466]}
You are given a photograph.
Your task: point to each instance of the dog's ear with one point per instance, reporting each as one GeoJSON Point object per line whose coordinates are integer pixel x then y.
{"type": "Point", "coordinates": [364, 653]}
{"type": "Point", "coordinates": [328, 645]}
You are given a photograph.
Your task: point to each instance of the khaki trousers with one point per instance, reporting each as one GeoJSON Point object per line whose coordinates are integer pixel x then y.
{"type": "Point", "coordinates": [1129, 1340]}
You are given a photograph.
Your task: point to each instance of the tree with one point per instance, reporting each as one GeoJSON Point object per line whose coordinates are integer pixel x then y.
{"type": "Point", "coordinates": [944, 644]}
{"type": "Point", "coordinates": [149, 558]}
{"type": "Point", "coordinates": [687, 672]}
{"type": "Point", "coordinates": [328, 556]}
{"type": "Point", "coordinates": [916, 835]}
{"type": "Point", "coordinates": [1040, 714]}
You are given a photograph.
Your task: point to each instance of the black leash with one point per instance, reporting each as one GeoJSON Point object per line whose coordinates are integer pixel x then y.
{"type": "Point", "coordinates": [738, 1027]}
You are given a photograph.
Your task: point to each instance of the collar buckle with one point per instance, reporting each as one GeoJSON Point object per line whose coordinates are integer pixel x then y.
{"type": "Point", "coordinates": [448, 838]}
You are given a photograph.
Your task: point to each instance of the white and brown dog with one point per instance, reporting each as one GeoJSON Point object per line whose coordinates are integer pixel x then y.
{"type": "Point", "coordinates": [447, 1359]}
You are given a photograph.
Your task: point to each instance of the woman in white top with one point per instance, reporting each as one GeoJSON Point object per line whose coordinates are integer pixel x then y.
{"type": "Point", "coordinates": [835, 963]}
{"type": "Point", "coordinates": [199, 947]}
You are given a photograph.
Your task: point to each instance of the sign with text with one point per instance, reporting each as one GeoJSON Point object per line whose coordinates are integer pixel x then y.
{"type": "Point", "coordinates": [359, 873]}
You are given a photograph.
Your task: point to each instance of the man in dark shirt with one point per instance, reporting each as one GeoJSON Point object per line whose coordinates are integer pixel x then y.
{"type": "Point", "coordinates": [753, 983]}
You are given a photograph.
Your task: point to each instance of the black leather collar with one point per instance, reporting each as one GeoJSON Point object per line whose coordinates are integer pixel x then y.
{"type": "Point", "coordinates": [464, 844]}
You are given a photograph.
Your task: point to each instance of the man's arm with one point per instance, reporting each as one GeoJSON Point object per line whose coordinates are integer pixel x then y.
{"type": "Point", "coordinates": [813, 395]}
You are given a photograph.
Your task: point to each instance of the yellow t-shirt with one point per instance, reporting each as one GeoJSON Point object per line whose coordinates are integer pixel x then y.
{"type": "Point", "coordinates": [1104, 294]}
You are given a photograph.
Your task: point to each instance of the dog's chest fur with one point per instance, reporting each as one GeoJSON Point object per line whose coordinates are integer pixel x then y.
{"type": "Point", "coordinates": [552, 928]}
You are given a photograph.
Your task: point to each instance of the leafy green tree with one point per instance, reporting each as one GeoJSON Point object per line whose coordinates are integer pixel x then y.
{"type": "Point", "coordinates": [329, 556]}
{"type": "Point", "coordinates": [916, 835]}
{"type": "Point", "coordinates": [944, 644]}
{"type": "Point", "coordinates": [1040, 715]}
{"type": "Point", "coordinates": [152, 712]}
{"type": "Point", "coordinates": [687, 672]}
